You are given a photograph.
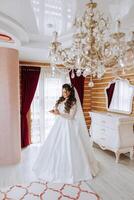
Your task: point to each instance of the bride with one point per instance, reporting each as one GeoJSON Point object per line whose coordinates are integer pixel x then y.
{"type": "Point", "coordinates": [66, 155]}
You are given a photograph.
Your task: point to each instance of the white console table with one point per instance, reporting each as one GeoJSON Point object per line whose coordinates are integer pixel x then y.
{"type": "Point", "coordinates": [113, 132]}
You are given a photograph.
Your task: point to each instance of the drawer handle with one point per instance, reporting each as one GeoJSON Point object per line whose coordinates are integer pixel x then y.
{"type": "Point", "coordinates": [103, 121]}
{"type": "Point", "coordinates": [102, 129]}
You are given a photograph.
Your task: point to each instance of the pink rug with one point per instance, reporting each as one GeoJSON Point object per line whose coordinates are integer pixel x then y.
{"type": "Point", "coordinates": [49, 191]}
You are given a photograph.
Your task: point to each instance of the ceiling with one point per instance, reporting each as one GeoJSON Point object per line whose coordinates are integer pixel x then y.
{"type": "Point", "coordinates": [31, 22]}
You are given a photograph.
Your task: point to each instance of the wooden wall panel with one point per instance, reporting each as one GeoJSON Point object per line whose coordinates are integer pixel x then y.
{"type": "Point", "coordinates": [87, 101]}
{"type": "Point", "coordinates": [94, 99]}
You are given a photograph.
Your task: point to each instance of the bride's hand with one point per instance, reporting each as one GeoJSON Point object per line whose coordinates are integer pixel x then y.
{"type": "Point", "coordinates": [51, 111]}
{"type": "Point", "coordinates": [56, 112]}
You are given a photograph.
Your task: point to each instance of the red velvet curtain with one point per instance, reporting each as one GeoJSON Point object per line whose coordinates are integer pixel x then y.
{"type": "Point", "coordinates": [109, 92]}
{"type": "Point", "coordinates": [78, 83]}
{"type": "Point", "coordinates": [29, 81]}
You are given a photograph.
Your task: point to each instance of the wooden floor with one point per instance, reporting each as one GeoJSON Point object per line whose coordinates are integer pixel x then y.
{"type": "Point", "coordinates": [115, 181]}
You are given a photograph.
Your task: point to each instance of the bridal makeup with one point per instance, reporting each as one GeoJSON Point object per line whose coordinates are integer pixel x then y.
{"type": "Point", "coordinates": [65, 93]}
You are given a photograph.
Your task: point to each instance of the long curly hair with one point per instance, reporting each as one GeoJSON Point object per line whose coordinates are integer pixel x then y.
{"type": "Point", "coordinates": [71, 100]}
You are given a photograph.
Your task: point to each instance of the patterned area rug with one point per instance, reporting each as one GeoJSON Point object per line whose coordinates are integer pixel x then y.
{"type": "Point", "coordinates": [49, 191]}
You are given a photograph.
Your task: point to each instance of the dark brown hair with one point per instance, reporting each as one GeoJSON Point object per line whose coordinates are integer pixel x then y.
{"type": "Point", "coordinates": [71, 100]}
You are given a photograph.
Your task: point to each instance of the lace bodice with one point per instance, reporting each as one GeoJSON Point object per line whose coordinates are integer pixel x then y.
{"type": "Point", "coordinates": [69, 115]}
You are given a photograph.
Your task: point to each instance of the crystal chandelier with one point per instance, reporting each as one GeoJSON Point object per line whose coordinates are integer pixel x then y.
{"type": "Point", "coordinates": [87, 55]}
{"type": "Point", "coordinates": [93, 49]}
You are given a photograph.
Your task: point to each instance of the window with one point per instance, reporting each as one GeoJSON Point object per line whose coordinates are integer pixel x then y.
{"type": "Point", "coordinates": [47, 92]}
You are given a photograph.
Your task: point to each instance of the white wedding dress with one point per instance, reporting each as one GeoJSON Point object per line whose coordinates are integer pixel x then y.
{"type": "Point", "coordinates": [66, 155]}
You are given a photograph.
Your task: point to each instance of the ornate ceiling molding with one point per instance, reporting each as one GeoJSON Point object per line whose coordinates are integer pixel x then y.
{"type": "Point", "coordinates": [13, 28]}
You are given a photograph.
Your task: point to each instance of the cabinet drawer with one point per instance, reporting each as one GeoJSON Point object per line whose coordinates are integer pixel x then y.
{"type": "Point", "coordinates": [105, 122]}
{"type": "Point", "coordinates": [98, 131]}
{"type": "Point", "coordinates": [109, 142]}
{"type": "Point", "coordinates": [102, 130]}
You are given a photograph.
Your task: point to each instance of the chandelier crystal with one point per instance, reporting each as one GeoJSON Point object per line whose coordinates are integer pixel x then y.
{"type": "Point", "coordinates": [121, 50]}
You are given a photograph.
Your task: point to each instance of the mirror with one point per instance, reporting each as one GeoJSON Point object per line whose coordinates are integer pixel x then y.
{"type": "Point", "coordinates": [119, 96]}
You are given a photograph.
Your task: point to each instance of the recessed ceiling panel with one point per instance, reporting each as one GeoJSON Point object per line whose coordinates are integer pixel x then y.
{"type": "Point", "coordinates": [54, 15]}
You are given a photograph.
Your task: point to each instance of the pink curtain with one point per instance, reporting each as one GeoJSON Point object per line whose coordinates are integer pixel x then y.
{"type": "Point", "coordinates": [29, 81]}
{"type": "Point", "coordinates": [78, 83]}
{"type": "Point", "coordinates": [109, 92]}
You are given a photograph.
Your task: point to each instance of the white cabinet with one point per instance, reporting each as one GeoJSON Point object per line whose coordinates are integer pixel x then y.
{"type": "Point", "coordinates": [113, 131]}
